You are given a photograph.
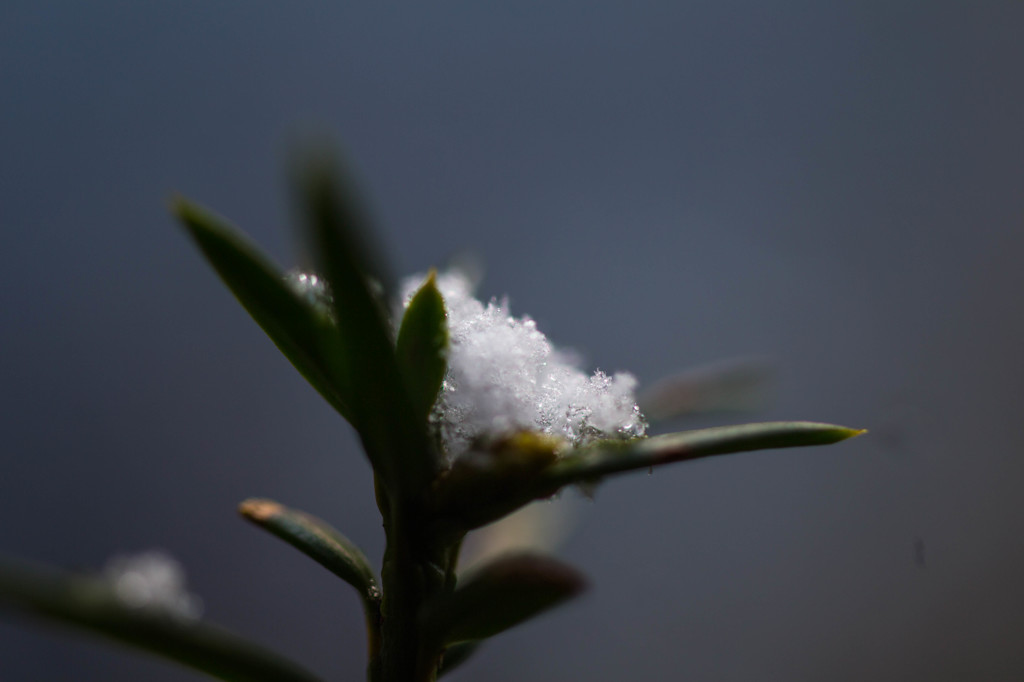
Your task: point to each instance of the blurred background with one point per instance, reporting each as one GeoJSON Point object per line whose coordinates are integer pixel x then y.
{"type": "Point", "coordinates": [836, 187]}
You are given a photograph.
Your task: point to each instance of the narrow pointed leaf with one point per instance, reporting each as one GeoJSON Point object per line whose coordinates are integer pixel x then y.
{"type": "Point", "coordinates": [395, 440]}
{"type": "Point", "coordinates": [459, 508]}
{"type": "Point", "coordinates": [422, 346]}
{"type": "Point", "coordinates": [596, 461]}
{"type": "Point", "coordinates": [498, 596]}
{"type": "Point", "coordinates": [306, 336]}
{"type": "Point", "coordinates": [317, 540]}
{"type": "Point", "coordinates": [90, 603]}
{"type": "Point", "coordinates": [321, 542]}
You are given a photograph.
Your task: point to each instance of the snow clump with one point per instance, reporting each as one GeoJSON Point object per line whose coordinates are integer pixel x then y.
{"type": "Point", "coordinates": [505, 376]}
{"type": "Point", "coordinates": [154, 581]}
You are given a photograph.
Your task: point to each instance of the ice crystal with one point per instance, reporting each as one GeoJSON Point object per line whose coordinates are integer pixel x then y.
{"type": "Point", "coordinates": [505, 376]}
{"type": "Point", "coordinates": [311, 288]}
{"type": "Point", "coordinates": [155, 581]}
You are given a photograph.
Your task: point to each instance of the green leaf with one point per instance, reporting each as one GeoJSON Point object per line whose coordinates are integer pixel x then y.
{"type": "Point", "coordinates": [498, 596]}
{"type": "Point", "coordinates": [323, 544]}
{"type": "Point", "coordinates": [318, 172]}
{"type": "Point", "coordinates": [422, 346]}
{"type": "Point", "coordinates": [611, 457]}
{"type": "Point", "coordinates": [396, 442]}
{"type": "Point", "coordinates": [306, 336]}
{"type": "Point", "coordinates": [476, 493]}
{"type": "Point", "coordinates": [91, 603]}
{"type": "Point", "coordinates": [317, 540]}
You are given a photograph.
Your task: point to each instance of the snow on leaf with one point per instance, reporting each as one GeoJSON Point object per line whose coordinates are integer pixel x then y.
{"type": "Point", "coordinates": [505, 376]}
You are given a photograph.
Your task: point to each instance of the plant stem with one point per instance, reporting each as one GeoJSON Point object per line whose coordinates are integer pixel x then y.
{"type": "Point", "coordinates": [414, 569]}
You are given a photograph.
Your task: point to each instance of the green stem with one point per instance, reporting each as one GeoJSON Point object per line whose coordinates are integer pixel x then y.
{"type": "Point", "coordinates": [415, 568]}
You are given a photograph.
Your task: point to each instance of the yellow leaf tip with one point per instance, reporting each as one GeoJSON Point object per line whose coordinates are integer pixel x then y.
{"type": "Point", "coordinates": [259, 510]}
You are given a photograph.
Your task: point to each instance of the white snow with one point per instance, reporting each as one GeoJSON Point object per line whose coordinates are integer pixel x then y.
{"type": "Point", "coordinates": [153, 580]}
{"type": "Point", "coordinates": [311, 288]}
{"type": "Point", "coordinates": [505, 376]}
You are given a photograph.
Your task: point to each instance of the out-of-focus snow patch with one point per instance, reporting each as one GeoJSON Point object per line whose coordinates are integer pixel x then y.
{"type": "Point", "coordinates": [153, 580]}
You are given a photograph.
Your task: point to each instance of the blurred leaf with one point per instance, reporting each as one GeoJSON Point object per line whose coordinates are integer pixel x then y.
{"type": "Point", "coordinates": [317, 540]}
{"type": "Point", "coordinates": [500, 595]}
{"type": "Point", "coordinates": [307, 337]}
{"type": "Point", "coordinates": [730, 386]}
{"type": "Point", "coordinates": [540, 527]}
{"type": "Point", "coordinates": [456, 655]}
{"type": "Point", "coordinates": [317, 168]}
{"type": "Point", "coordinates": [422, 346]}
{"type": "Point", "coordinates": [91, 603]}
{"type": "Point", "coordinates": [394, 439]}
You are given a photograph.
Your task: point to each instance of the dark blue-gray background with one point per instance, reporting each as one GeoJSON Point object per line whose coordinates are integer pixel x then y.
{"type": "Point", "coordinates": [838, 187]}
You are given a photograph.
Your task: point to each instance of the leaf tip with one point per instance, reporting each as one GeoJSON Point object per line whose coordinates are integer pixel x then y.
{"type": "Point", "coordinates": [194, 219]}
{"type": "Point", "coordinates": [846, 433]}
{"type": "Point", "coordinates": [181, 206]}
{"type": "Point", "coordinates": [259, 510]}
